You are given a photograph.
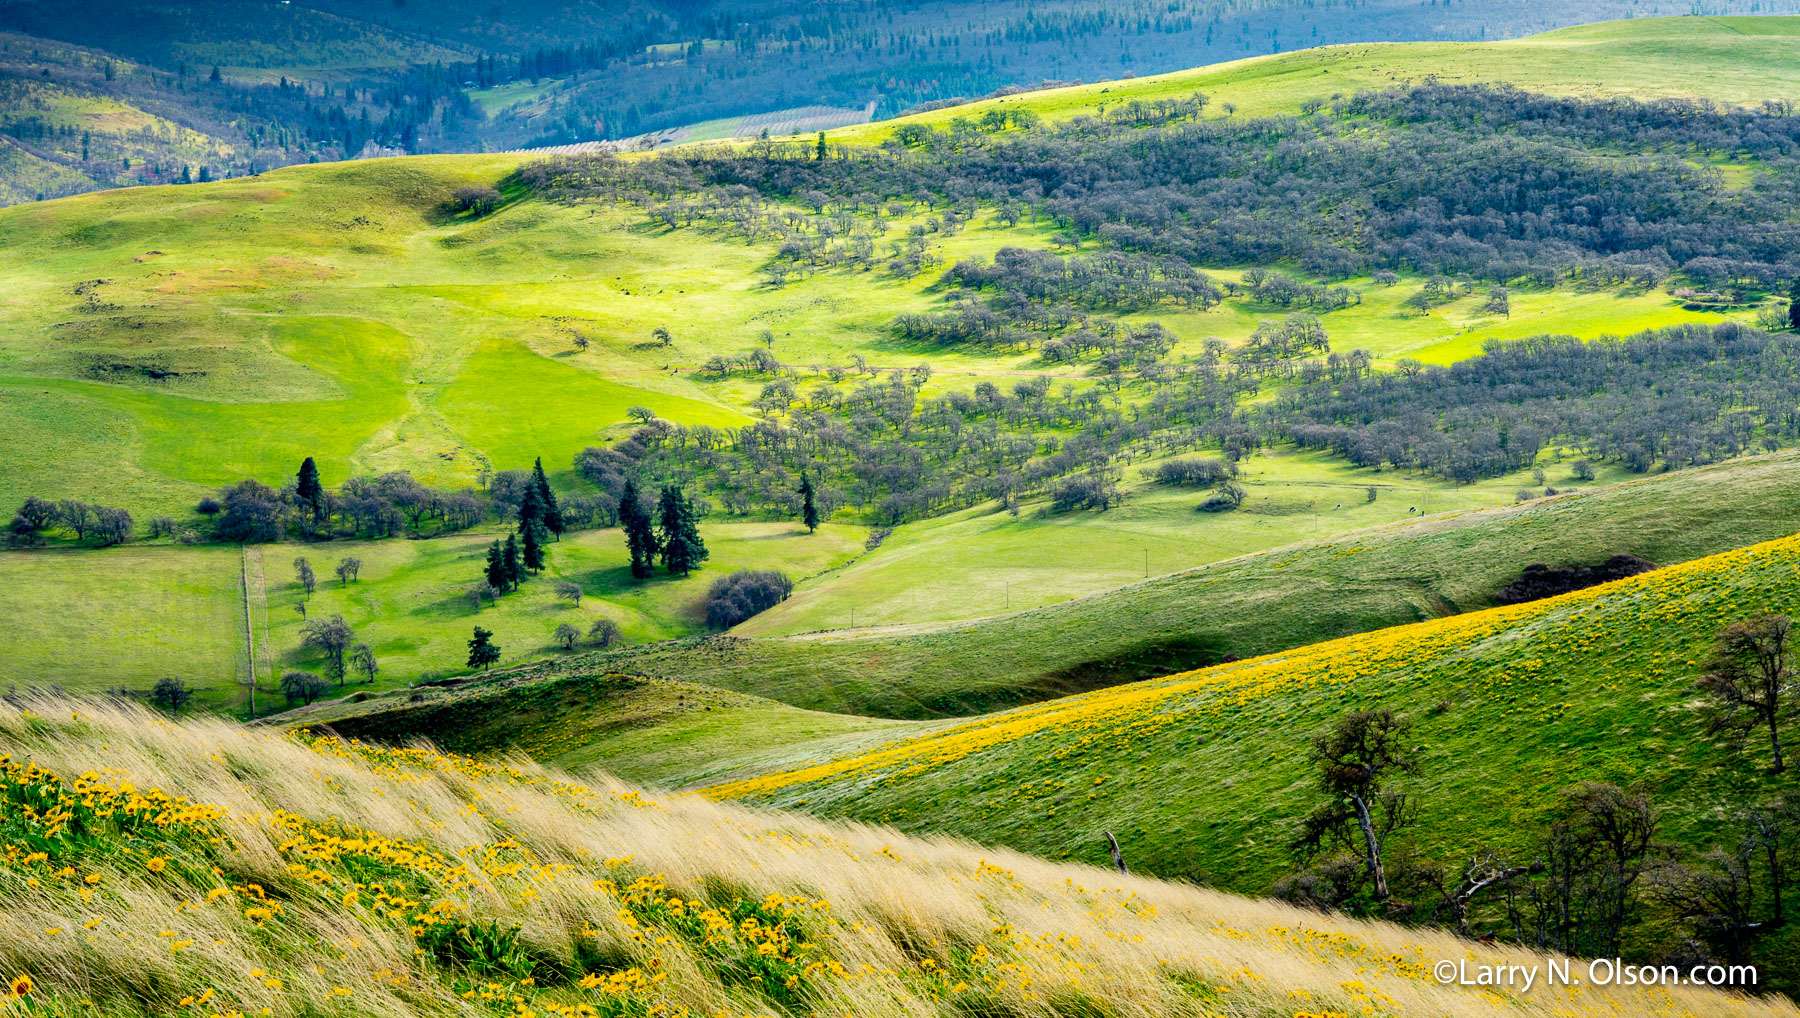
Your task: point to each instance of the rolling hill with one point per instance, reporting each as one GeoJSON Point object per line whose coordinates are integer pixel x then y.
{"type": "Point", "coordinates": [299, 82]}
{"type": "Point", "coordinates": [1255, 604]}
{"type": "Point", "coordinates": [1509, 705]}
{"type": "Point", "coordinates": [152, 867]}
{"type": "Point", "coordinates": [158, 343]}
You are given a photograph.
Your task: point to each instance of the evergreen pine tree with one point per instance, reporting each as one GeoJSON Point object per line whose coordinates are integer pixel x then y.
{"type": "Point", "coordinates": [639, 538]}
{"type": "Point", "coordinates": [553, 520]}
{"type": "Point", "coordinates": [496, 567]}
{"type": "Point", "coordinates": [482, 651]}
{"type": "Point", "coordinates": [819, 153]}
{"type": "Point", "coordinates": [509, 561]}
{"type": "Point", "coordinates": [809, 513]}
{"type": "Point", "coordinates": [531, 544]}
{"type": "Point", "coordinates": [533, 531]}
{"type": "Point", "coordinates": [309, 490]}
{"type": "Point", "coordinates": [682, 549]}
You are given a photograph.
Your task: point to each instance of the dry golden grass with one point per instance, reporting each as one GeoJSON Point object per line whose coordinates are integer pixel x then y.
{"type": "Point", "coordinates": [155, 868]}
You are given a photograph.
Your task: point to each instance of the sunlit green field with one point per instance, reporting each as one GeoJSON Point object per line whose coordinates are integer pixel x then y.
{"type": "Point", "coordinates": [157, 343]}
{"type": "Point", "coordinates": [92, 619]}
{"type": "Point", "coordinates": [984, 562]}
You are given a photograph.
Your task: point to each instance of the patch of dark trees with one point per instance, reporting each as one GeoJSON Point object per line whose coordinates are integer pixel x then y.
{"type": "Point", "coordinates": [894, 455]}
{"type": "Point", "coordinates": [1484, 180]}
{"type": "Point", "coordinates": [1684, 395]}
{"type": "Point", "coordinates": [1539, 581]}
{"type": "Point", "coordinates": [733, 598]}
{"type": "Point", "coordinates": [1679, 396]}
{"type": "Point", "coordinates": [36, 517]}
{"type": "Point", "coordinates": [386, 505]}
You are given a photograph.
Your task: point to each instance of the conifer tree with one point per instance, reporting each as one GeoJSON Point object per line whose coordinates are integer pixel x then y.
{"type": "Point", "coordinates": [532, 529]}
{"type": "Point", "coordinates": [509, 561]}
{"type": "Point", "coordinates": [496, 567]}
{"type": "Point", "coordinates": [482, 650]}
{"type": "Point", "coordinates": [809, 514]}
{"type": "Point", "coordinates": [639, 538]}
{"type": "Point", "coordinates": [309, 490]}
{"type": "Point", "coordinates": [682, 549]}
{"type": "Point", "coordinates": [553, 520]}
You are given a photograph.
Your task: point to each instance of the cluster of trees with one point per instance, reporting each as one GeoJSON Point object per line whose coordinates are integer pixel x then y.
{"type": "Point", "coordinates": [732, 599]}
{"type": "Point", "coordinates": [1108, 281]}
{"type": "Point", "coordinates": [1581, 884]}
{"type": "Point", "coordinates": [895, 455]}
{"type": "Point", "coordinates": [107, 525]}
{"type": "Point", "coordinates": [1481, 180]}
{"type": "Point", "coordinates": [1684, 395]}
{"type": "Point", "coordinates": [673, 535]}
{"type": "Point", "coordinates": [522, 555]}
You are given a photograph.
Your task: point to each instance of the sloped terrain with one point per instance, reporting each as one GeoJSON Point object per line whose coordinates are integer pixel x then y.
{"type": "Point", "coordinates": [151, 868]}
{"type": "Point", "coordinates": [1206, 774]}
{"type": "Point", "coordinates": [1242, 607]}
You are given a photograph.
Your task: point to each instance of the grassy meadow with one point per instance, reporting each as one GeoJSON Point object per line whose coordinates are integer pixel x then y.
{"type": "Point", "coordinates": [983, 562]}
{"type": "Point", "coordinates": [463, 888]}
{"type": "Point", "coordinates": [99, 619]}
{"type": "Point", "coordinates": [1318, 589]}
{"type": "Point", "coordinates": [156, 343]}
{"type": "Point", "coordinates": [1509, 705]}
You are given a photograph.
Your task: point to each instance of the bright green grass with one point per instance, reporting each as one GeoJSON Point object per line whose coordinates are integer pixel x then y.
{"type": "Point", "coordinates": [100, 618]}
{"type": "Point", "coordinates": [338, 311]}
{"type": "Point", "coordinates": [1738, 60]}
{"type": "Point", "coordinates": [1205, 775]}
{"type": "Point", "coordinates": [410, 603]}
{"type": "Point", "coordinates": [983, 562]}
{"type": "Point", "coordinates": [644, 730]}
{"type": "Point", "coordinates": [1272, 600]}
{"type": "Point", "coordinates": [89, 622]}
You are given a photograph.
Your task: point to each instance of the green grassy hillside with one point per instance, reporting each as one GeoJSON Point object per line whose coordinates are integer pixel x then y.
{"type": "Point", "coordinates": [1205, 774]}
{"type": "Point", "coordinates": [102, 618]}
{"type": "Point", "coordinates": [641, 730]}
{"type": "Point", "coordinates": [153, 868]}
{"type": "Point", "coordinates": [983, 561]}
{"type": "Point", "coordinates": [1268, 601]}
{"type": "Point", "coordinates": [1730, 59]}
{"type": "Point", "coordinates": [181, 337]}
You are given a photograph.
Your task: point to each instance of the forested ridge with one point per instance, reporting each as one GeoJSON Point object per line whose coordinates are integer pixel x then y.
{"type": "Point", "coordinates": [1490, 181]}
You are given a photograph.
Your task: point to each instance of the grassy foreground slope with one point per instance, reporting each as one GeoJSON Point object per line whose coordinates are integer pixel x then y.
{"type": "Point", "coordinates": [1358, 582]}
{"type": "Point", "coordinates": [152, 868]}
{"type": "Point", "coordinates": [1206, 774]}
